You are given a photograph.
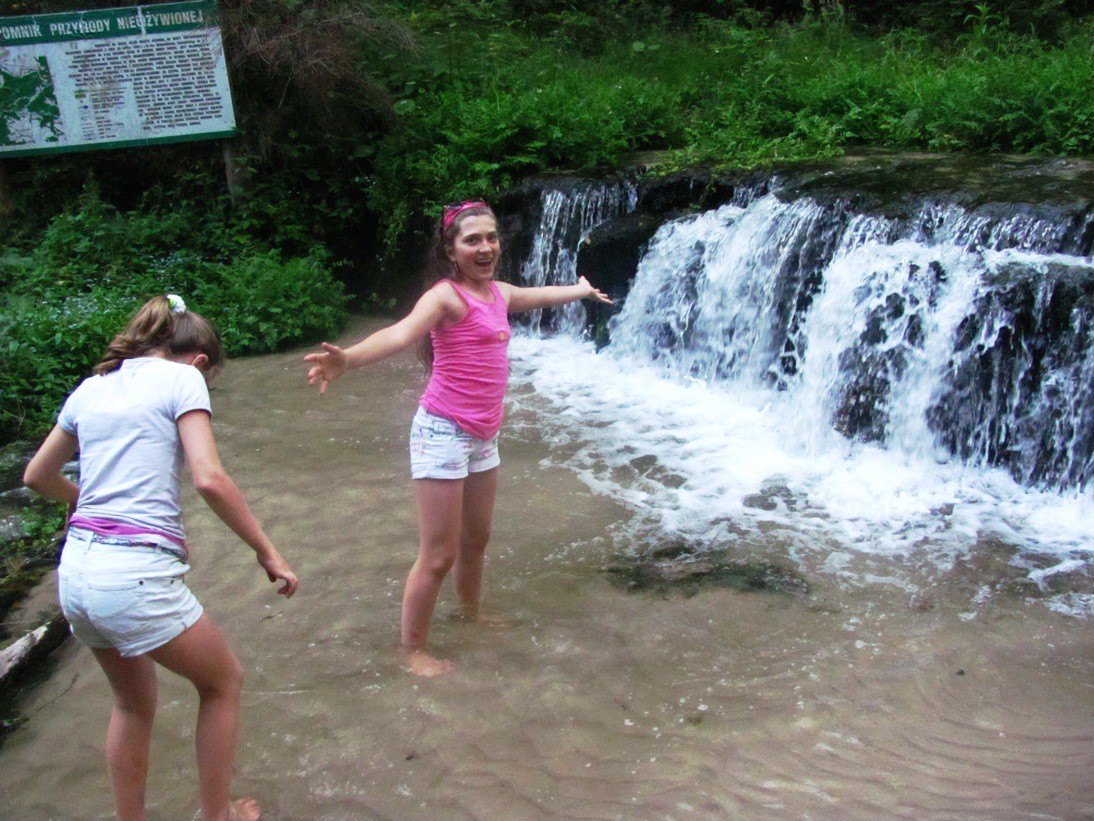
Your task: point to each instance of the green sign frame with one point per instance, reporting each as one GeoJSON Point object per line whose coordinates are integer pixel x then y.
{"type": "Point", "coordinates": [113, 78]}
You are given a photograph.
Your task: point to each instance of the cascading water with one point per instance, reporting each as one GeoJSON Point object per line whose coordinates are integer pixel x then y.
{"type": "Point", "coordinates": [565, 219]}
{"type": "Point", "coordinates": [892, 336]}
{"type": "Point", "coordinates": [856, 383]}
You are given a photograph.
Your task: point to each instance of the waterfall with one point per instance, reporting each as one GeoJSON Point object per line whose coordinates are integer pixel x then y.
{"type": "Point", "coordinates": [565, 219]}
{"type": "Point", "coordinates": [852, 383]}
{"type": "Point", "coordinates": [946, 336]}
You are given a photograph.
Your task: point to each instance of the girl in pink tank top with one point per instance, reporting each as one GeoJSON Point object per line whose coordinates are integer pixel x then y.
{"type": "Point", "coordinates": [462, 325]}
{"type": "Point", "coordinates": [471, 365]}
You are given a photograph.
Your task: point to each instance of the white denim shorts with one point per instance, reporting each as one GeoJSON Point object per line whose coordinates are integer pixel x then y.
{"type": "Point", "coordinates": [441, 449]}
{"type": "Point", "coordinates": [125, 592]}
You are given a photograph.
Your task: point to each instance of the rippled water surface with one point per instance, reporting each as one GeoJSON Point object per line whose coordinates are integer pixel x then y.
{"type": "Point", "coordinates": [954, 695]}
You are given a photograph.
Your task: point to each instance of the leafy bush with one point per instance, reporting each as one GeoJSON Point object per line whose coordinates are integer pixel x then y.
{"type": "Point", "coordinates": [94, 267]}
{"type": "Point", "coordinates": [820, 88]}
{"type": "Point", "coordinates": [491, 91]}
{"type": "Point", "coordinates": [492, 102]}
{"type": "Point", "coordinates": [262, 303]}
{"type": "Point", "coordinates": [50, 341]}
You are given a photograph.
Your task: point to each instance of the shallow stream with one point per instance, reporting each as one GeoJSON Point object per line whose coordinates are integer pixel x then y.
{"type": "Point", "coordinates": [952, 694]}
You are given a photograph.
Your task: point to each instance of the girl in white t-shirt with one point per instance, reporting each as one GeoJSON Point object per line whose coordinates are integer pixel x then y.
{"type": "Point", "coordinates": [144, 412]}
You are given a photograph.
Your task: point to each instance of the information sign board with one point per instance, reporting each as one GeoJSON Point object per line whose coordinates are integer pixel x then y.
{"type": "Point", "coordinates": [111, 78]}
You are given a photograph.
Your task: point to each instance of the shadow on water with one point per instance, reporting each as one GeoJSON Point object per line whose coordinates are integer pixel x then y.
{"type": "Point", "coordinates": [840, 697]}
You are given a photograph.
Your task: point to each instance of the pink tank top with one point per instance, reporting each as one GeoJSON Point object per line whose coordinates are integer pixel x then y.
{"type": "Point", "coordinates": [471, 366]}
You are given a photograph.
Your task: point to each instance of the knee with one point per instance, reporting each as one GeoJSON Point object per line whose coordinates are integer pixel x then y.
{"type": "Point", "coordinates": [228, 683]}
{"type": "Point", "coordinates": [233, 680]}
{"type": "Point", "coordinates": [438, 566]}
{"type": "Point", "coordinates": [475, 541]}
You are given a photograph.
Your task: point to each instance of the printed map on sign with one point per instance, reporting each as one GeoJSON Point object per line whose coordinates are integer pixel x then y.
{"type": "Point", "coordinates": [112, 78]}
{"type": "Point", "coordinates": [29, 114]}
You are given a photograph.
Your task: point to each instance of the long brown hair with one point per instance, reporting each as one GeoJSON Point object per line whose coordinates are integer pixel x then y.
{"type": "Point", "coordinates": [156, 327]}
{"type": "Point", "coordinates": [437, 264]}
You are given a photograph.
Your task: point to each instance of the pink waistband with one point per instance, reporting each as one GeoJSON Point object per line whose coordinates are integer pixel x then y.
{"type": "Point", "coordinates": [106, 527]}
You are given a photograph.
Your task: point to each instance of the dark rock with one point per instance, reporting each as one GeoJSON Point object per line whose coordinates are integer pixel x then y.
{"type": "Point", "coordinates": [760, 501]}
{"type": "Point", "coordinates": [609, 254]}
{"type": "Point", "coordinates": [685, 569]}
{"type": "Point", "coordinates": [13, 460]}
{"type": "Point", "coordinates": [1012, 401]}
{"type": "Point", "coordinates": [694, 190]}
{"type": "Point", "coordinates": [895, 185]}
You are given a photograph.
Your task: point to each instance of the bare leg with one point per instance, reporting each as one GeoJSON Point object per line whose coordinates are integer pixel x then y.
{"type": "Point", "coordinates": [439, 513]}
{"type": "Point", "coordinates": [479, 492]}
{"type": "Point", "coordinates": [129, 735]}
{"type": "Point", "coordinates": [202, 655]}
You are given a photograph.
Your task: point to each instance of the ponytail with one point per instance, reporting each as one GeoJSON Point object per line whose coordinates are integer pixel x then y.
{"type": "Point", "coordinates": [163, 324]}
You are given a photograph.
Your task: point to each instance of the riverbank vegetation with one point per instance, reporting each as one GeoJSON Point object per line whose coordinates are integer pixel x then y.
{"type": "Point", "coordinates": [357, 120]}
{"type": "Point", "coordinates": [492, 101]}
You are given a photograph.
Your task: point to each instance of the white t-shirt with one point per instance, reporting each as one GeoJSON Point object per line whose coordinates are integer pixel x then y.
{"type": "Point", "coordinates": [130, 451]}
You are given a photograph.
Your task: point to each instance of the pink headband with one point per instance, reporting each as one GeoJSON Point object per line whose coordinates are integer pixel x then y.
{"type": "Point", "coordinates": [451, 211]}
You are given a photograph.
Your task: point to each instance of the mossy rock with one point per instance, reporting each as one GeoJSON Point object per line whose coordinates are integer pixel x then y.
{"type": "Point", "coordinates": [686, 569]}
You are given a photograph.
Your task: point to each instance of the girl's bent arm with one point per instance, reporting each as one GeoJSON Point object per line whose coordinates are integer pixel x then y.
{"type": "Point", "coordinates": [43, 473]}
{"type": "Point", "coordinates": [550, 296]}
{"type": "Point", "coordinates": [428, 312]}
{"type": "Point", "coordinates": [221, 493]}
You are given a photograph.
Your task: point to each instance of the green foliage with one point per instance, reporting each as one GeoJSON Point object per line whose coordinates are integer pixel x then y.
{"type": "Point", "coordinates": [262, 302]}
{"type": "Point", "coordinates": [460, 139]}
{"type": "Point", "coordinates": [95, 266]}
{"type": "Point", "coordinates": [50, 340]}
{"type": "Point", "coordinates": [470, 96]}
{"type": "Point", "coordinates": [372, 114]}
{"type": "Point", "coordinates": [495, 99]}
{"type": "Point", "coordinates": [821, 89]}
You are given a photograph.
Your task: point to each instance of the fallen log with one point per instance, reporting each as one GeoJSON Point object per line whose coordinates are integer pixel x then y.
{"type": "Point", "coordinates": [35, 645]}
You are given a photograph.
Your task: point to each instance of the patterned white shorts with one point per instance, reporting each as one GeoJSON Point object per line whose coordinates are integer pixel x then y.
{"type": "Point", "coordinates": [441, 449]}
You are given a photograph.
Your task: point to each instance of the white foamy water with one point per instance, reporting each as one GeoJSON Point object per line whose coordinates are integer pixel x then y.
{"type": "Point", "coordinates": [694, 460]}
{"type": "Point", "coordinates": [834, 386]}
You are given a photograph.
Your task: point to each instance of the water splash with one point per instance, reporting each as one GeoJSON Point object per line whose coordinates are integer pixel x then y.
{"type": "Point", "coordinates": [880, 331]}
{"type": "Point", "coordinates": [566, 218]}
{"type": "Point", "coordinates": [797, 369]}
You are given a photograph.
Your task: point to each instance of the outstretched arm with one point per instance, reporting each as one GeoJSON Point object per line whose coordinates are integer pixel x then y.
{"type": "Point", "coordinates": [550, 296]}
{"type": "Point", "coordinates": [223, 495]}
{"type": "Point", "coordinates": [334, 361]}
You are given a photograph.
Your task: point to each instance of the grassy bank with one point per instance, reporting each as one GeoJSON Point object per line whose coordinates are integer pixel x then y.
{"type": "Point", "coordinates": [489, 102]}
{"type": "Point", "coordinates": [63, 300]}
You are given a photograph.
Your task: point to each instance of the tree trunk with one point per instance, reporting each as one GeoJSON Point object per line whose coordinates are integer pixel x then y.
{"type": "Point", "coordinates": [7, 196]}
{"type": "Point", "coordinates": [239, 182]}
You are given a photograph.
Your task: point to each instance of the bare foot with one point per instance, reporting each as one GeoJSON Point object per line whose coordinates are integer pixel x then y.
{"type": "Point", "coordinates": [244, 809]}
{"type": "Point", "coordinates": [420, 663]}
